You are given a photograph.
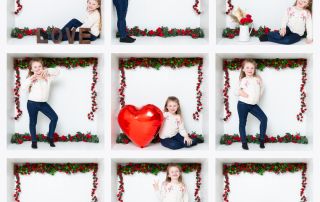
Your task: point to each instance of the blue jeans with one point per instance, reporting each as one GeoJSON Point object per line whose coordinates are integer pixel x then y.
{"type": "Point", "coordinates": [33, 109]}
{"type": "Point", "coordinates": [287, 39]}
{"type": "Point", "coordinates": [74, 23]}
{"type": "Point", "coordinates": [243, 110]}
{"type": "Point", "coordinates": [122, 8]}
{"type": "Point", "coordinates": [176, 142]}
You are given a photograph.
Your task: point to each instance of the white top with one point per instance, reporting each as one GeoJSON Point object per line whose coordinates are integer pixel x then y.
{"type": "Point", "coordinates": [253, 87]}
{"type": "Point", "coordinates": [40, 89]}
{"type": "Point", "coordinates": [172, 125]}
{"type": "Point", "coordinates": [171, 192]}
{"type": "Point", "coordinates": [92, 21]}
{"type": "Point", "coordinates": [298, 20]}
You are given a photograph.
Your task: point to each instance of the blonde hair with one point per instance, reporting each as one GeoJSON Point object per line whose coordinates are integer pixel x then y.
{"type": "Point", "coordinates": [99, 10]}
{"type": "Point", "coordinates": [173, 99]}
{"type": "Point", "coordinates": [309, 6]}
{"type": "Point", "coordinates": [30, 72]}
{"type": "Point", "coordinates": [171, 165]}
{"type": "Point", "coordinates": [244, 62]}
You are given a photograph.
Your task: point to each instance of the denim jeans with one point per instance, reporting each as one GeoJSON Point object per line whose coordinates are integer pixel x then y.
{"type": "Point", "coordinates": [74, 23]}
{"type": "Point", "coordinates": [243, 110]}
{"type": "Point", "coordinates": [176, 142]}
{"type": "Point", "coordinates": [287, 39]}
{"type": "Point", "coordinates": [33, 109]}
{"type": "Point", "coordinates": [122, 8]}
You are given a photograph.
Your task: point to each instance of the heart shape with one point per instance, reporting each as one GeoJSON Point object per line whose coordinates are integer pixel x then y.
{"type": "Point", "coordinates": [140, 125]}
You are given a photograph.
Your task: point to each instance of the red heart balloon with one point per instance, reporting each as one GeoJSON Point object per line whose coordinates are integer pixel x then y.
{"type": "Point", "coordinates": [140, 125]}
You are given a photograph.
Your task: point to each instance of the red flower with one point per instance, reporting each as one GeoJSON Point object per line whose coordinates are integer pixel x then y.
{"type": "Point", "coordinates": [231, 36]}
{"type": "Point", "coordinates": [19, 141]}
{"type": "Point", "coordinates": [19, 36]}
{"type": "Point", "coordinates": [266, 30]}
{"type": "Point", "coordinates": [248, 16]}
{"type": "Point", "coordinates": [229, 142]}
{"type": "Point", "coordinates": [236, 138]}
{"type": "Point", "coordinates": [151, 32]}
{"type": "Point", "coordinates": [297, 137]}
{"type": "Point", "coordinates": [272, 139]}
{"type": "Point", "coordinates": [63, 138]}
{"type": "Point", "coordinates": [88, 136]}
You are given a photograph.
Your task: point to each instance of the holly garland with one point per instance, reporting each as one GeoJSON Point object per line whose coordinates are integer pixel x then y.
{"type": "Point", "coordinates": [26, 31]}
{"type": "Point", "coordinates": [157, 63]}
{"type": "Point", "coordinates": [19, 7]}
{"type": "Point", "coordinates": [123, 138]}
{"type": "Point", "coordinates": [18, 138]}
{"type": "Point", "coordinates": [261, 168]}
{"type": "Point", "coordinates": [155, 169]}
{"type": "Point", "coordinates": [52, 169]}
{"type": "Point", "coordinates": [68, 63]}
{"type": "Point", "coordinates": [227, 139]}
{"type": "Point", "coordinates": [165, 32]}
{"type": "Point", "coordinates": [231, 33]}
{"type": "Point", "coordinates": [230, 7]}
{"type": "Point", "coordinates": [196, 7]}
{"type": "Point", "coordinates": [278, 64]}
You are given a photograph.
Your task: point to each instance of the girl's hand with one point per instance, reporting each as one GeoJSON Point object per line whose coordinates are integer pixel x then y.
{"type": "Point", "coordinates": [156, 185]}
{"type": "Point", "coordinates": [33, 78]}
{"type": "Point", "coordinates": [308, 41]}
{"type": "Point", "coordinates": [283, 31]}
{"type": "Point", "coordinates": [178, 119]}
{"type": "Point", "coordinates": [45, 73]}
{"type": "Point", "coordinates": [243, 94]}
{"type": "Point", "coordinates": [187, 140]}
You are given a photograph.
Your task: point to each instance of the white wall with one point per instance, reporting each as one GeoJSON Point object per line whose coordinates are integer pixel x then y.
{"type": "Point", "coordinates": [74, 187]}
{"type": "Point", "coordinates": [282, 187]}
{"type": "Point", "coordinates": [150, 86]}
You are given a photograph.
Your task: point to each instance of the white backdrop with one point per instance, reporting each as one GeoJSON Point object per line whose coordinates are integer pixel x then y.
{"type": "Point", "coordinates": [266, 188]}
{"type": "Point", "coordinates": [152, 14]}
{"type": "Point", "coordinates": [261, 11]}
{"type": "Point", "coordinates": [280, 102]}
{"type": "Point", "coordinates": [155, 86]}
{"type": "Point", "coordinates": [70, 97]}
{"type": "Point", "coordinates": [61, 187]}
{"type": "Point", "coordinates": [43, 13]}
{"type": "Point", "coordinates": [138, 187]}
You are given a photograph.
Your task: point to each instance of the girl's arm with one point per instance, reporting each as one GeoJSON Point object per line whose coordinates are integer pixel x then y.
{"type": "Point", "coordinates": [182, 130]}
{"type": "Point", "coordinates": [53, 72]}
{"type": "Point", "coordinates": [239, 91]}
{"type": "Point", "coordinates": [261, 85]}
{"type": "Point", "coordinates": [28, 83]}
{"type": "Point", "coordinates": [91, 20]}
{"type": "Point", "coordinates": [309, 28]}
{"type": "Point", "coordinates": [185, 195]}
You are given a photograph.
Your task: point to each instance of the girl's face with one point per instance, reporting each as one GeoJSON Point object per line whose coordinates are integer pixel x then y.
{"type": "Point", "coordinates": [172, 107]}
{"type": "Point", "coordinates": [302, 3]}
{"type": "Point", "coordinates": [92, 5]}
{"type": "Point", "coordinates": [249, 69]}
{"type": "Point", "coordinates": [36, 68]}
{"type": "Point", "coordinates": [174, 173]}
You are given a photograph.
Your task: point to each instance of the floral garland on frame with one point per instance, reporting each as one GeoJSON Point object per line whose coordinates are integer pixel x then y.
{"type": "Point", "coordinates": [196, 7]}
{"type": "Point", "coordinates": [131, 168]}
{"type": "Point", "coordinates": [261, 168]}
{"type": "Point", "coordinates": [156, 63]}
{"type": "Point", "coordinates": [123, 138]}
{"type": "Point", "coordinates": [231, 33]}
{"type": "Point", "coordinates": [227, 139]}
{"type": "Point", "coordinates": [278, 64]}
{"type": "Point", "coordinates": [52, 169]}
{"type": "Point", "coordinates": [165, 32]}
{"type": "Point", "coordinates": [68, 63]}
{"type": "Point", "coordinates": [18, 138]}
{"type": "Point", "coordinates": [19, 7]}
{"type": "Point", "coordinates": [230, 7]}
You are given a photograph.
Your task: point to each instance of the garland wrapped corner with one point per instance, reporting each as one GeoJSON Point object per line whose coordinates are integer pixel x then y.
{"type": "Point", "coordinates": [278, 64]}
{"type": "Point", "coordinates": [123, 138]}
{"type": "Point", "coordinates": [131, 168]}
{"type": "Point", "coordinates": [18, 138]}
{"type": "Point", "coordinates": [52, 169]}
{"type": "Point", "coordinates": [227, 139]}
{"type": "Point", "coordinates": [157, 63]}
{"type": "Point", "coordinates": [165, 32]}
{"type": "Point", "coordinates": [261, 168]}
{"type": "Point", "coordinates": [68, 63]}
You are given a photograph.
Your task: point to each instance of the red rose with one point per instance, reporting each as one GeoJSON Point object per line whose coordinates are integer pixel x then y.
{"type": "Point", "coordinates": [160, 34]}
{"type": "Point", "coordinates": [236, 138]}
{"type": "Point", "coordinates": [88, 136]}
{"type": "Point", "coordinates": [266, 30]}
{"type": "Point", "coordinates": [159, 29]}
{"type": "Point", "coordinates": [19, 141]}
{"type": "Point", "coordinates": [151, 32]}
{"type": "Point", "coordinates": [194, 36]}
{"type": "Point", "coordinates": [19, 36]}
{"type": "Point", "coordinates": [248, 16]}
{"type": "Point", "coordinates": [230, 36]}
{"type": "Point", "coordinates": [280, 139]}
{"type": "Point", "coordinates": [63, 138]}
{"type": "Point", "coordinates": [29, 32]}
{"type": "Point", "coordinates": [229, 142]}
{"type": "Point", "coordinates": [297, 137]}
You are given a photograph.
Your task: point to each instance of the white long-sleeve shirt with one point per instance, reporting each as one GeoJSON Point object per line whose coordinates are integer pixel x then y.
{"type": "Point", "coordinates": [40, 89]}
{"type": "Point", "coordinates": [253, 87]}
{"type": "Point", "coordinates": [298, 20]}
{"type": "Point", "coordinates": [92, 21]}
{"type": "Point", "coordinates": [172, 125]}
{"type": "Point", "coordinates": [170, 192]}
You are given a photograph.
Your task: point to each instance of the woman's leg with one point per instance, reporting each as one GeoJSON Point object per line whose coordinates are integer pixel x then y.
{"type": "Point", "coordinates": [51, 114]}
{"type": "Point", "coordinates": [33, 116]}
{"type": "Point", "coordinates": [287, 39]}
{"type": "Point", "coordinates": [243, 110]}
{"type": "Point", "coordinates": [121, 7]}
{"type": "Point", "coordinates": [74, 23]}
{"type": "Point", "coordinates": [260, 115]}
